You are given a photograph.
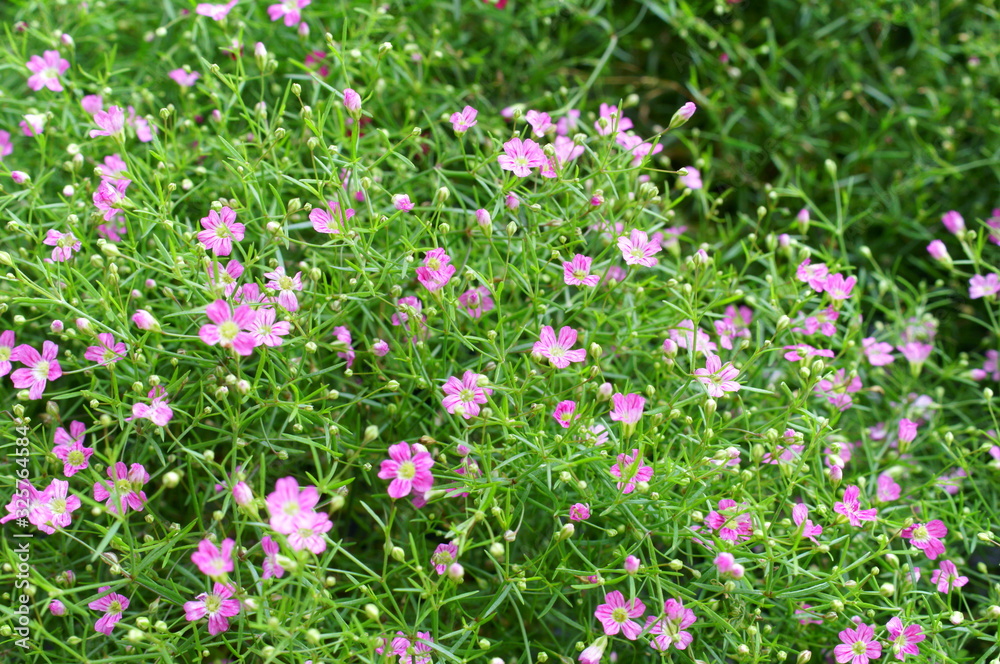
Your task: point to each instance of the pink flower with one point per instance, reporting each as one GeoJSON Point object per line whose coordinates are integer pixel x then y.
{"type": "Point", "coordinates": [593, 653]}
{"type": "Point", "coordinates": [184, 78]}
{"type": "Point", "coordinates": [6, 147]}
{"type": "Point", "coordinates": [436, 271]}
{"type": "Point", "coordinates": [58, 506]}
{"type": "Point", "coordinates": [632, 565]}
{"type": "Point", "coordinates": [39, 368]}
{"type": "Point", "coordinates": [287, 502]}
{"type": "Point", "coordinates": [521, 156]}
{"type": "Point", "coordinates": [851, 507]}
{"type": "Point", "coordinates": [613, 121]}
{"type": "Point", "coordinates": [70, 450]}
{"type": "Point", "coordinates": [322, 220]}
{"type": "Point", "coordinates": [408, 468]}
{"type": "Point", "coordinates": [987, 286]}
{"type": "Point", "coordinates": [577, 272]}
{"type": "Point", "coordinates": [616, 615]}
{"type": "Point", "coordinates": [839, 288]}
{"type": "Point", "coordinates": [938, 251]}
{"type": "Point", "coordinates": [271, 566]}
{"type": "Point", "coordinates": [215, 12]}
{"type": "Point", "coordinates": [631, 470]}
{"type": "Point", "coordinates": [308, 529]}
{"type": "Point", "coordinates": [887, 489]}
{"type": "Point", "coordinates": [564, 413]}
{"type": "Point", "coordinates": [693, 178]}
{"type": "Point", "coordinates": [29, 502]}
{"type": "Point", "coordinates": [286, 287]}
{"type": "Point", "coordinates": [217, 605]}
{"type": "Point", "coordinates": [735, 325]}
{"type": "Point", "coordinates": [907, 430]}
{"type": "Point", "coordinates": [540, 123]}
{"type": "Point", "coordinates": [462, 122]}
{"type": "Point", "coordinates": [637, 249]}
{"type": "Point", "coordinates": [687, 335]}
{"type": "Point", "coordinates": [732, 521]}
{"type": "Point", "coordinates": [289, 10]}
{"type": "Point", "coordinates": [402, 202]}
{"type": "Point", "coordinates": [124, 491]}
{"type": "Point", "coordinates": [110, 196]}
{"type": "Point", "coordinates": [211, 561]}
{"type": "Point", "coordinates": [579, 512]}
{"type": "Point", "coordinates": [242, 494]}
{"type": "Point", "coordinates": [814, 275]}
{"type": "Point", "coordinates": [904, 638]}
{"type": "Point", "coordinates": [927, 537]}
{"type": "Point", "coordinates": [859, 645]}
{"type": "Point", "coordinates": [717, 377]}
{"type": "Point", "coordinates": [343, 335]}
{"type": "Point", "coordinates": [566, 150]}
{"type": "Point", "coordinates": [57, 608]}
{"type": "Point", "coordinates": [878, 353]}
{"type": "Point", "coordinates": [221, 228]}
{"type": "Point", "coordinates": [483, 218]}
{"type": "Point", "coordinates": [800, 352]}
{"type": "Point", "coordinates": [443, 556]}
{"type": "Point", "coordinates": [227, 276]}
{"type": "Point", "coordinates": [476, 301]}
{"type": "Point", "coordinates": [627, 408]}
{"type": "Point", "coordinates": [92, 103]}
{"type": "Point", "coordinates": [380, 347]}
{"type": "Point", "coordinates": [65, 245]}
{"type": "Point", "coordinates": [682, 115]}
{"type": "Point", "coordinates": [46, 71]}
{"type": "Point", "coordinates": [670, 629]}
{"type": "Point", "coordinates": [265, 331]}
{"type": "Point", "coordinates": [156, 411]}
{"type": "Point", "coordinates": [916, 352]}
{"type": "Point", "coordinates": [839, 389]}
{"type": "Point", "coordinates": [557, 351]}
{"type": "Point", "coordinates": [821, 321]}
{"type": "Point", "coordinates": [111, 122]}
{"type": "Point", "coordinates": [463, 397]}
{"type": "Point", "coordinates": [800, 515]}
{"type": "Point", "coordinates": [142, 129]}
{"type": "Point", "coordinates": [946, 577]}
{"type": "Point", "coordinates": [33, 124]}
{"type": "Point", "coordinates": [726, 564]}
{"type": "Point", "coordinates": [229, 328]}
{"type": "Point", "coordinates": [991, 367]}
{"type": "Point", "coordinates": [108, 352]}
{"type": "Point", "coordinates": [112, 605]}
{"type": "Point", "coordinates": [352, 101]}
{"type": "Point", "coordinates": [407, 306]}
{"type": "Point", "coordinates": [953, 221]}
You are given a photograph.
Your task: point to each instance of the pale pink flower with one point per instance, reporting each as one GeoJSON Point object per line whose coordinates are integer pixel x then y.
{"type": "Point", "coordinates": [111, 122]}
{"type": "Point", "coordinates": [286, 287]}
{"type": "Point", "coordinates": [59, 505]}
{"type": "Point", "coordinates": [57, 608]}
{"type": "Point", "coordinates": [483, 218]}
{"type": "Point", "coordinates": [463, 121]}
{"type": "Point", "coordinates": [565, 413]}
{"type": "Point", "coordinates": [465, 396]}
{"type": "Point", "coordinates": [887, 489]}
{"type": "Point", "coordinates": [859, 645]}
{"type": "Point", "coordinates": [156, 411]}
{"type": "Point", "coordinates": [227, 276]}
{"type": "Point", "coordinates": [839, 288]}
{"type": "Point", "coordinates": [271, 566]}
{"type": "Point", "coordinates": [566, 150]}
{"type": "Point", "coordinates": [577, 272]}
{"type": "Point", "coordinates": [287, 502]}
{"type": "Point", "coordinates": [39, 368]}
{"type": "Point", "coordinates": [735, 325]}
{"type": "Point", "coordinates": [693, 178]}
{"type": "Point", "coordinates": [613, 121]}
{"type": "Point", "coordinates": [92, 103]}
{"type": "Point", "coordinates": [558, 351]}
{"type": "Point", "coordinates": [916, 352]}
{"type": "Point", "coordinates": [443, 556]}
{"type": "Point", "coordinates": [402, 202]}
{"type": "Point", "coordinates": [980, 286]}
{"type": "Point", "coordinates": [630, 469]}
{"type": "Point", "coordinates": [627, 408]}
{"type": "Point", "coordinates": [107, 353]}
{"type": "Point", "coordinates": [221, 229]}
{"type": "Point", "coordinates": [124, 490]}
{"type": "Point", "coordinates": [229, 328]}
{"type": "Point", "coordinates": [717, 378]}
{"type": "Point", "coordinates": [732, 521]}
{"type": "Point", "coordinates": [907, 430]}
{"type": "Point", "coordinates": [927, 537]}
{"type": "Point", "coordinates": [143, 131]}
{"type": "Point", "coordinates": [352, 101]}
{"type": "Point", "coordinates": [687, 335]}
{"type": "Point", "coordinates": [212, 561]}
{"type": "Point", "coordinates": [851, 507]}
{"type": "Point", "coordinates": [242, 494]}
{"type": "Point", "coordinates": [29, 502]}
{"type": "Point", "coordinates": [476, 301]}
{"type": "Point", "coordinates": [878, 353]}
{"type": "Point", "coordinates": [265, 331]}
{"type": "Point", "coordinates": [726, 563]}
{"type": "Point", "coordinates": [671, 628]}
{"type": "Point", "coordinates": [109, 197]}
{"type": "Point", "coordinates": [579, 512]}
{"type": "Point", "coordinates": [70, 450]}
{"type": "Point", "coordinates": [112, 605]}
{"type": "Point", "coordinates": [616, 615]}
{"type": "Point", "coordinates": [800, 352]}
{"type": "Point", "coordinates": [838, 390]}
{"type": "Point", "coordinates": [66, 244]}
{"type": "Point", "coordinates": [407, 306]}
{"type": "Point", "coordinates": [215, 12]}
{"type": "Point", "coordinates": [332, 221]}
{"type": "Point", "coordinates": [946, 577]}
{"type": "Point", "coordinates": [821, 321]}
{"type": "Point", "coordinates": [409, 468]}
{"type": "Point", "coordinates": [682, 115]}
{"type": "Point", "coordinates": [800, 515]}
{"type": "Point", "coordinates": [637, 249]}
{"type": "Point", "coordinates": [380, 347]}
{"type": "Point", "coordinates": [288, 10]}
{"type": "Point", "coordinates": [904, 639]}
{"type": "Point", "coordinates": [568, 122]}
{"type": "Point", "coordinates": [814, 275]}
{"type": "Point", "coordinates": [938, 251]}
{"type": "Point", "coordinates": [33, 124]}
{"type": "Point", "coordinates": [307, 533]}
{"type": "Point", "coordinates": [521, 156]}
{"type": "Point", "coordinates": [991, 367]}
{"type": "Point", "coordinates": [46, 70]}
{"type": "Point", "coordinates": [217, 605]}
{"type": "Point", "coordinates": [540, 123]}
{"type": "Point", "coordinates": [953, 221]}
{"type": "Point", "coordinates": [184, 78]}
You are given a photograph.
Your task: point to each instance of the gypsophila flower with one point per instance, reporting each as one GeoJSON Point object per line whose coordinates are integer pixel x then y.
{"type": "Point", "coordinates": [980, 286]}
{"type": "Point", "coordinates": [558, 351]}
{"type": "Point", "coordinates": [476, 301]}
{"type": "Point", "coordinates": [271, 566]}
{"type": "Point", "coordinates": [627, 408]}
{"type": "Point", "coordinates": [46, 70]}
{"type": "Point", "coordinates": [579, 512]}
{"type": "Point", "coordinates": [927, 537]}
{"type": "Point", "coordinates": [111, 122]}
{"type": "Point", "coordinates": [70, 450]}
{"type": "Point", "coordinates": [564, 413]}
{"type": "Point", "coordinates": [112, 605]}
{"type": "Point", "coordinates": [217, 605]}
{"type": "Point", "coordinates": [638, 249]}
{"type": "Point", "coordinates": [616, 615]}
{"type": "Point", "coordinates": [630, 469]}
{"type": "Point", "coordinates": [671, 628]}
{"type": "Point", "coordinates": [717, 378]}
{"type": "Point", "coordinates": [577, 272]}
{"type": "Point", "coordinates": [39, 368]}
{"type": "Point", "coordinates": [221, 230]}
{"type": "Point", "coordinates": [288, 10]}
{"type": "Point", "coordinates": [124, 490]}
{"type": "Point", "coordinates": [286, 287]}
{"type": "Point", "coordinates": [463, 121]}
{"type": "Point", "coordinates": [850, 507]}
{"type": "Point", "coordinates": [156, 411]}
{"type": "Point", "coordinates": [265, 330]}
{"type": "Point", "coordinates": [443, 556]}
{"type": "Point", "coordinates": [904, 638]}
{"type": "Point", "coordinates": [215, 12]}
{"type": "Point", "coordinates": [229, 327]}
{"type": "Point", "coordinates": [732, 521]}
{"type": "Point", "coordinates": [213, 561]}
{"type": "Point", "coordinates": [436, 271]}
{"type": "Point", "coordinates": [409, 468]}
{"type": "Point", "coordinates": [463, 397]}
{"type": "Point", "coordinates": [184, 78]}
{"type": "Point", "coordinates": [800, 515]}
{"type": "Point", "coordinates": [332, 221]}
{"type": "Point", "coordinates": [108, 352]}
{"type": "Point", "coordinates": [66, 244]}
{"type": "Point", "coordinates": [858, 645]}
{"type": "Point", "coordinates": [307, 533]}
{"type": "Point", "coordinates": [286, 502]}
{"type": "Point", "coordinates": [521, 156]}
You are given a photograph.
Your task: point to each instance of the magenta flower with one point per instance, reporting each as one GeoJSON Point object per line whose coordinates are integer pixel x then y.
{"type": "Point", "coordinates": [577, 272]}
{"type": "Point", "coordinates": [579, 512]}
{"type": "Point", "coordinates": [58, 507]}
{"type": "Point", "coordinates": [271, 566]}
{"type": "Point", "coordinates": [670, 628]}
{"type": "Point", "coordinates": [557, 351]}
{"type": "Point", "coordinates": [927, 537]}
{"type": "Point", "coordinates": [380, 347]}
{"type": "Point", "coordinates": [564, 413]}
{"type": "Point", "coordinates": [859, 645]}
{"type": "Point", "coordinates": [322, 220]}
{"type": "Point", "coordinates": [946, 577]}
{"type": "Point", "coordinates": [108, 352]}
{"type": "Point", "coordinates": [630, 470]}
{"type": "Point", "coordinates": [839, 288]}
{"type": "Point", "coordinates": [637, 249]}
{"type": "Point", "coordinates": [211, 561]}
{"type": "Point", "coordinates": [463, 397]}
{"type": "Point", "coordinates": [732, 521]}
{"type": "Point", "coordinates": [288, 10]}
{"type": "Point", "coordinates": [462, 122]}
{"type": "Point", "coordinates": [953, 221]}
{"type": "Point", "coordinates": [183, 78]}
{"type": "Point", "coordinates": [287, 502]}
{"type": "Point", "coordinates": [616, 615]}
{"type": "Point", "coordinates": [800, 352]}
{"type": "Point", "coordinates": [65, 245]}
{"type": "Point", "coordinates": [110, 196]}
{"type": "Point", "coordinates": [887, 489]}
{"type": "Point", "coordinates": [980, 286]}
{"type": "Point", "coordinates": [627, 408]}
{"type": "Point", "coordinates": [408, 468]}
{"type": "Point", "coordinates": [286, 287]}
{"type": "Point", "coordinates": [800, 515]}
{"type": "Point", "coordinates": [443, 556]}
{"type": "Point", "coordinates": [878, 353]}
{"type": "Point", "coordinates": [229, 328]}
{"type": "Point", "coordinates": [39, 368]}
{"type": "Point", "coordinates": [215, 12]}
{"type": "Point", "coordinates": [343, 335]}
{"type": "Point", "coordinates": [111, 122]}
{"type": "Point", "coordinates": [112, 605]}
{"type": "Point", "coordinates": [308, 529]}
{"type": "Point", "coordinates": [726, 564]}
{"type": "Point", "coordinates": [613, 121]}
{"type": "Point", "coordinates": [226, 278]}
{"type": "Point", "coordinates": [477, 301]}
{"type": "Point", "coordinates": [851, 507]}
{"type": "Point", "coordinates": [124, 491]}
{"type": "Point", "coordinates": [682, 115]}
{"type": "Point", "coordinates": [907, 430]}
{"type": "Point", "coordinates": [70, 450]}
{"type": "Point", "coordinates": [734, 325]}
{"type": "Point", "coordinates": [156, 411]}
{"type": "Point", "coordinates": [352, 101]}
{"type": "Point", "coordinates": [221, 228]}
{"type": "Point", "coordinates": [217, 605]}
{"type": "Point", "coordinates": [57, 608]}
{"type": "Point", "coordinates": [402, 202]}
{"type": "Point", "coordinates": [540, 123]}
{"type": "Point", "coordinates": [29, 501]}
{"type": "Point", "coordinates": [436, 270]}
{"type": "Point", "coordinates": [904, 638]}
{"type": "Point", "coordinates": [521, 156]}
{"type": "Point", "coordinates": [717, 377]}
{"type": "Point", "coordinates": [938, 251]}
{"type": "Point", "coordinates": [46, 70]}
{"type": "Point", "coordinates": [566, 150]}
{"type": "Point", "coordinates": [265, 331]}
{"type": "Point", "coordinates": [407, 306]}
{"type": "Point", "coordinates": [838, 390]}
